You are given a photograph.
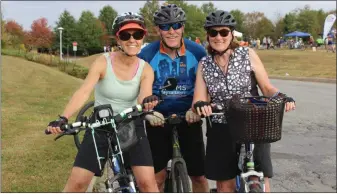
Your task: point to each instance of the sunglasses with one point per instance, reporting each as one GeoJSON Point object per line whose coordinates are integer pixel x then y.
{"type": "Point", "coordinates": [213, 33]}
{"type": "Point", "coordinates": [125, 36]}
{"type": "Point", "coordinates": [166, 27]}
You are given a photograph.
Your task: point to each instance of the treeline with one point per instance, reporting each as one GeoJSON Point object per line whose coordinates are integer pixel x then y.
{"type": "Point", "coordinates": [92, 33]}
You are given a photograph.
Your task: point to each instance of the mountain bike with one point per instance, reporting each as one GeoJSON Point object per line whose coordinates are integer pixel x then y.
{"type": "Point", "coordinates": [252, 120]}
{"type": "Point", "coordinates": [123, 179]}
{"type": "Point", "coordinates": [177, 180]}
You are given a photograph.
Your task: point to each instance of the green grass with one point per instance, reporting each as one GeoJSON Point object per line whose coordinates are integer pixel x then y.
{"type": "Point", "coordinates": [299, 63]}
{"type": "Point", "coordinates": [33, 95]}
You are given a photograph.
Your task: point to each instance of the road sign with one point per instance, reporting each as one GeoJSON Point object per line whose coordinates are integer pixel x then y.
{"type": "Point", "coordinates": [74, 46]}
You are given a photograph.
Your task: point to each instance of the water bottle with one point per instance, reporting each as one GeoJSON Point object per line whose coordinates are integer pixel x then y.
{"type": "Point", "coordinates": [242, 156]}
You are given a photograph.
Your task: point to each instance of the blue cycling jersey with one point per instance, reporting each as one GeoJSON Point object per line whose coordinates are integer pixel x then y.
{"type": "Point", "coordinates": [183, 68]}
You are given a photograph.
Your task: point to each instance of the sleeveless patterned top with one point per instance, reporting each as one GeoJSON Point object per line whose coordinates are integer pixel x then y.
{"type": "Point", "coordinates": [239, 79]}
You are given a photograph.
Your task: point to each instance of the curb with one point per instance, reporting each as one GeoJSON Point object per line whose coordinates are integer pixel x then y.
{"type": "Point", "coordinates": [306, 79]}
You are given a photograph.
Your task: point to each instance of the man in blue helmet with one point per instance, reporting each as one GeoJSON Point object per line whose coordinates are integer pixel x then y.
{"type": "Point", "coordinates": [175, 57]}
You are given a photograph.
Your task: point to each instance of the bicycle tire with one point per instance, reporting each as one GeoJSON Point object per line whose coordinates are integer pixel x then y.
{"type": "Point", "coordinates": [78, 118]}
{"type": "Point", "coordinates": [181, 177]}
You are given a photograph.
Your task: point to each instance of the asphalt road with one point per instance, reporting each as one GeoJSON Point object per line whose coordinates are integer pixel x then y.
{"type": "Point", "coordinates": [304, 160]}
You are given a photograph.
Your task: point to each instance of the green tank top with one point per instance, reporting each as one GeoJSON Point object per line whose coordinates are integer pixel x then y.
{"type": "Point", "coordinates": [120, 94]}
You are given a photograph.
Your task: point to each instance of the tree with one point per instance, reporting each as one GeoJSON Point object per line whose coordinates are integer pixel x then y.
{"type": "Point", "coordinates": [208, 8]}
{"type": "Point", "coordinates": [265, 27]}
{"type": "Point", "coordinates": [239, 18]}
{"type": "Point", "coordinates": [107, 15]}
{"type": "Point", "coordinates": [147, 11]}
{"type": "Point", "coordinates": [69, 35]}
{"type": "Point", "coordinates": [251, 22]}
{"type": "Point", "coordinates": [91, 32]}
{"type": "Point", "coordinates": [41, 33]}
{"type": "Point", "coordinates": [14, 33]}
{"type": "Point", "coordinates": [290, 22]}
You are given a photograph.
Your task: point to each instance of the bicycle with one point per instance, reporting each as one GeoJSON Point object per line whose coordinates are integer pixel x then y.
{"type": "Point", "coordinates": [256, 119]}
{"type": "Point", "coordinates": [122, 174]}
{"type": "Point", "coordinates": [177, 180]}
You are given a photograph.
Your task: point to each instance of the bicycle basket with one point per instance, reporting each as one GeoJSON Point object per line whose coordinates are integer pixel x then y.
{"type": "Point", "coordinates": [255, 120]}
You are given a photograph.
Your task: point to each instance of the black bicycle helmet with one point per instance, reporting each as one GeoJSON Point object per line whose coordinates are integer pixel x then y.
{"type": "Point", "coordinates": [220, 18]}
{"type": "Point", "coordinates": [125, 18]}
{"type": "Point", "coordinates": [169, 14]}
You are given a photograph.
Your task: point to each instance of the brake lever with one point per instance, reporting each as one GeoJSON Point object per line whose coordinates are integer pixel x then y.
{"type": "Point", "coordinates": [59, 136]}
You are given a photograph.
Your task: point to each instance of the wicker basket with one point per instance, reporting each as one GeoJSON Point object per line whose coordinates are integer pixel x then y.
{"type": "Point", "coordinates": [254, 120]}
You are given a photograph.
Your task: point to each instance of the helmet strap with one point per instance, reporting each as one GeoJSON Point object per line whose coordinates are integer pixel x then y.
{"type": "Point", "coordinates": [121, 49]}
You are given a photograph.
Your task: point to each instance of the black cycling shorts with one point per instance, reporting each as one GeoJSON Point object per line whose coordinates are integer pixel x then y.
{"type": "Point", "coordinates": [138, 155]}
{"type": "Point", "coordinates": [222, 155]}
{"type": "Point", "coordinates": [191, 145]}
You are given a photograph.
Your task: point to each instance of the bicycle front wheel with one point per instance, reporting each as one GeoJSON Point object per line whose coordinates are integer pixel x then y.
{"type": "Point", "coordinates": [86, 111]}
{"type": "Point", "coordinates": [181, 179]}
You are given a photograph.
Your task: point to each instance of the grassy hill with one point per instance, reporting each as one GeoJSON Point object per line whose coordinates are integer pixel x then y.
{"type": "Point", "coordinates": [33, 95]}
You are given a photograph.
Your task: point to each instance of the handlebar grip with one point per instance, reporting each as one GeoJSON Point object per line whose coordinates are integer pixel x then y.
{"type": "Point", "coordinates": [63, 128]}
{"type": "Point", "coordinates": [47, 132]}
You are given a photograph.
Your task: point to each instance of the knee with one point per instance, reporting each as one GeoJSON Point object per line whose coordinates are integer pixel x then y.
{"type": "Point", "coordinates": [226, 186]}
{"type": "Point", "coordinates": [160, 178]}
{"type": "Point", "coordinates": [146, 185]}
{"type": "Point", "coordinates": [76, 185]}
{"type": "Point", "coordinates": [199, 180]}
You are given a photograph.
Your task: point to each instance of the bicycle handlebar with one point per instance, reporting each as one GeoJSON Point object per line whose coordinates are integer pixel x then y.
{"type": "Point", "coordinates": [72, 128]}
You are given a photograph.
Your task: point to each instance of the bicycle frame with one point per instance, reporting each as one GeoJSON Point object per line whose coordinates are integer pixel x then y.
{"type": "Point", "coordinates": [247, 166]}
{"type": "Point", "coordinates": [116, 162]}
{"type": "Point", "coordinates": [176, 155]}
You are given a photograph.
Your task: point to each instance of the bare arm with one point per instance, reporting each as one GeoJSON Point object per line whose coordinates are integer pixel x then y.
{"type": "Point", "coordinates": [146, 83]}
{"type": "Point", "coordinates": [200, 89]}
{"type": "Point", "coordinates": [96, 71]}
{"type": "Point", "coordinates": [261, 75]}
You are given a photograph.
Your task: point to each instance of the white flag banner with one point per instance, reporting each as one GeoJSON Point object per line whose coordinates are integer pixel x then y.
{"type": "Point", "coordinates": [329, 20]}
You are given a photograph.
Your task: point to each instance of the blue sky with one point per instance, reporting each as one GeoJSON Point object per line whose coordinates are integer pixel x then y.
{"type": "Point", "coordinates": [25, 12]}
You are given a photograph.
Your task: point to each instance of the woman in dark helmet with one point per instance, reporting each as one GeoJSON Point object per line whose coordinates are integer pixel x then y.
{"type": "Point", "coordinates": [229, 69]}
{"type": "Point", "coordinates": [123, 80]}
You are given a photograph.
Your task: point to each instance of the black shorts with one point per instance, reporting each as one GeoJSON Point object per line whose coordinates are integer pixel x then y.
{"type": "Point", "coordinates": [191, 145]}
{"type": "Point", "coordinates": [222, 155]}
{"type": "Point", "coordinates": [138, 155]}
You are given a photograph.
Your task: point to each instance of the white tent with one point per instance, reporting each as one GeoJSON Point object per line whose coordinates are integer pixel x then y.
{"type": "Point", "coordinates": [237, 34]}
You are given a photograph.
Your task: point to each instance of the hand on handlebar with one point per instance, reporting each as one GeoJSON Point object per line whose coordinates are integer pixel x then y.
{"type": "Point", "coordinates": [290, 102]}
{"type": "Point", "coordinates": [203, 108]}
{"type": "Point", "coordinates": [192, 117]}
{"type": "Point", "coordinates": [54, 126]}
{"type": "Point", "coordinates": [150, 102]}
{"type": "Point", "coordinates": [156, 119]}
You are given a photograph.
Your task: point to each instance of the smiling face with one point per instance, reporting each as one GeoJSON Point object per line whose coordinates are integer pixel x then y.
{"type": "Point", "coordinates": [219, 38]}
{"type": "Point", "coordinates": [131, 40]}
{"type": "Point", "coordinates": [173, 35]}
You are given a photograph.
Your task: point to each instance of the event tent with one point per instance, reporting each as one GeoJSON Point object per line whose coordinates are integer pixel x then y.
{"type": "Point", "coordinates": [237, 34]}
{"type": "Point", "coordinates": [297, 34]}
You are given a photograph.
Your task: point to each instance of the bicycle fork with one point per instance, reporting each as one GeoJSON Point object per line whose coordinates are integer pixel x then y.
{"type": "Point", "coordinates": [249, 179]}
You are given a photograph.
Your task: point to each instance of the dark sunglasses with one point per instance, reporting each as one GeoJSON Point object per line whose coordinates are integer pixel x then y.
{"type": "Point", "coordinates": [125, 36]}
{"type": "Point", "coordinates": [213, 33]}
{"type": "Point", "coordinates": [166, 27]}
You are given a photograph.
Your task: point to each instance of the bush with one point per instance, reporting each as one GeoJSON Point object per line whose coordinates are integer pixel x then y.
{"type": "Point", "coordinates": [70, 68]}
